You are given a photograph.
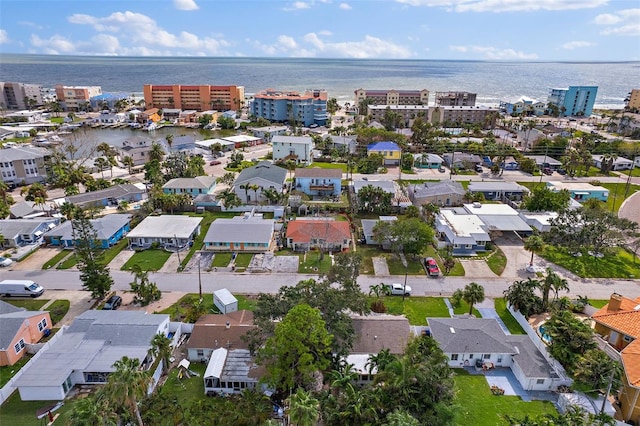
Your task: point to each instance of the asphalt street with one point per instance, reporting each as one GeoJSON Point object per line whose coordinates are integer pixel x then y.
{"type": "Point", "coordinates": [270, 283]}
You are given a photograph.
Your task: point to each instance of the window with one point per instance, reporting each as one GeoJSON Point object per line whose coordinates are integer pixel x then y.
{"type": "Point", "coordinates": [42, 324]}
{"type": "Point", "coordinates": [200, 353]}
{"type": "Point", "coordinates": [627, 338]}
{"type": "Point", "coordinates": [540, 382]}
{"type": "Point", "coordinates": [499, 359]}
{"type": "Point", "coordinates": [486, 356]}
{"type": "Point", "coordinates": [19, 346]}
{"type": "Point", "coordinates": [470, 356]}
{"type": "Point", "coordinates": [454, 357]}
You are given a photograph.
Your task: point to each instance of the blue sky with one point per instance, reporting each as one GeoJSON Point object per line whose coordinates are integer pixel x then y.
{"type": "Point", "coordinates": [568, 30]}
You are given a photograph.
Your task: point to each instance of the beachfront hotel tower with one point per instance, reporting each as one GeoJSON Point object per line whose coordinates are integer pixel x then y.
{"type": "Point", "coordinates": [195, 97]}
{"type": "Point", "coordinates": [574, 100]}
{"type": "Point", "coordinates": [305, 108]}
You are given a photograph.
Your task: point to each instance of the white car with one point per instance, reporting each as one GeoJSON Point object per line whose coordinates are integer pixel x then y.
{"type": "Point", "coordinates": [5, 261]}
{"type": "Point", "coordinates": [398, 289]}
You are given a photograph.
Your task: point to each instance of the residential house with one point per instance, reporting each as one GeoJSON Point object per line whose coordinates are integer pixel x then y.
{"type": "Point", "coordinates": [184, 143]}
{"type": "Point", "coordinates": [618, 323]}
{"type": "Point", "coordinates": [321, 234]}
{"type": "Point", "coordinates": [111, 196]}
{"type": "Point", "coordinates": [539, 220]}
{"type": "Point", "coordinates": [108, 101]}
{"type": "Point", "coordinates": [390, 151]}
{"type": "Point", "coordinates": [23, 164]}
{"type": "Point", "coordinates": [544, 161]}
{"type": "Point", "coordinates": [136, 147]}
{"type": "Point", "coordinates": [207, 202]}
{"type": "Point", "coordinates": [510, 163]}
{"type": "Point", "coordinates": [268, 132]}
{"type": "Point", "coordinates": [85, 352]}
{"type": "Point", "coordinates": [427, 161]}
{"type": "Point", "coordinates": [29, 210]}
{"type": "Point", "coordinates": [305, 108]}
{"type": "Point", "coordinates": [443, 193]}
{"type": "Point", "coordinates": [619, 163]}
{"type": "Point", "coordinates": [22, 232]}
{"type": "Point", "coordinates": [246, 233]}
{"type": "Point", "coordinates": [373, 333]}
{"type": "Point", "coordinates": [524, 106]}
{"type": "Point", "coordinates": [169, 231]}
{"type": "Point", "coordinates": [264, 175]}
{"type": "Point", "coordinates": [213, 331]}
{"type": "Point", "coordinates": [318, 182]}
{"type": "Point", "coordinates": [367, 229]}
{"type": "Point", "coordinates": [580, 191]}
{"type": "Point", "coordinates": [192, 186]}
{"type": "Point", "coordinates": [19, 328]}
{"type": "Point", "coordinates": [471, 342]}
{"type": "Point", "coordinates": [171, 114]}
{"type": "Point", "coordinates": [225, 145]}
{"type": "Point", "coordinates": [347, 144]}
{"type": "Point", "coordinates": [107, 117]}
{"type": "Point", "coordinates": [498, 191]}
{"type": "Point", "coordinates": [232, 372]}
{"type": "Point", "coordinates": [461, 160]}
{"type": "Point", "coordinates": [297, 148]}
{"type": "Point", "coordinates": [242, 141]}
{"type": "Point", "coordinates": [465, 233]}
{"type": "Point", "coordinates": [407, 113]}
{"type": "Point", "coordinates": [499, 218]}
{"type": "Point", "coordinates": [109, 230]}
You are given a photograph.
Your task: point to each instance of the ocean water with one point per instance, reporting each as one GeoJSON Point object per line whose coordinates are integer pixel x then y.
{"type": "Point", "coordinates": [492, 81]}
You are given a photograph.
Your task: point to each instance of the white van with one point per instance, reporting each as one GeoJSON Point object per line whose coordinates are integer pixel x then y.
{"type": "Point", "coordinates": [22, 288]}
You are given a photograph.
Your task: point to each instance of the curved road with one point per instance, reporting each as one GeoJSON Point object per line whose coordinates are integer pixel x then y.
{"type": "Point", "coordinates": [270, 283]}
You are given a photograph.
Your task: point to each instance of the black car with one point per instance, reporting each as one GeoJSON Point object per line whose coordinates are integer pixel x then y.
{"type": "Point", "coordinates": [112, 303]}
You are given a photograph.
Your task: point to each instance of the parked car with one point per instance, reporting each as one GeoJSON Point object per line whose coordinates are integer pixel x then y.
{"type": "Point", "coordinates": [479, 169]}
{"type": "Point", "coordinates": [5, 261]}
{"type": "Point", "coordinates": [112, 303]}
{"type": "Point", "coordinates": [215, 163]}
{"type": "Point", "coordinates": [561, 172]}
{"type": "Point", "coordinates": [441, 169]}
{"type": "Point", "coordinates": [547, 171]}
{"type": "Point", "coordinates": [431, 266]}
{"type": "Point", "coordinates": [398, 289]}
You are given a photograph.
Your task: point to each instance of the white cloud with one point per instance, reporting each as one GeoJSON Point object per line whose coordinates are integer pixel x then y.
{"type": "Point", "coordinates": [493, 53]}
{"type": "Point", "coordinates": [54, 45]}
{"type": "Point", "coordinates": [185, 5]}
{"type": "Point", "coordinates": [128, 31]}
{"type": "Point", "coordinates": [628, 20]}
{"type": "Point", "coordinates": [298, 5]}
{"type": "Point", "coordinates": [577, 45]}
{"type": "Point", "coordinates": [4, 37]}
{"type": "Point", "coordinates": [506, 5]}
{"type": "Point", "coordinates": [345, 6]}
{"type": "Point", "coordinates": [312, 45]}
{"type": "Point", "coordinates": [30, 24]}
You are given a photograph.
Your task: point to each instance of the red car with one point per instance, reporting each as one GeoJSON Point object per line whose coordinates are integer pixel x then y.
{"type": "Point", "coordinates": [214, 163]}
{"type": "Point", "coordinates": [432, 266]}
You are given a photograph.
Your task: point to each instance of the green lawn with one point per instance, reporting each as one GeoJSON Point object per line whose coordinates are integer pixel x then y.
{"type": "Point", "coordinates": [463, 309]}
{"type": "Point", "coordinates": [416, 308]}
{"type": "Point", "coordinates": [598, 303]}
{"type": "Point", "coordinates": [58, 309]}
{"type": "Point", "coordinates": [501, 308]}
{"type": "Point", "coordinates": [68, 262]}
{"type": "Point", "coordinates": [618, 263]}
{"type": "Point", "coordinates": [186, 388]}
{"type": "Point", "coordinates": [28, 304]}
{"type": "Point", "coordinates": [313, 264]}
{"type": "Point", "coordinates": [56, 259]}
{"type": "Point", "coordinates": [110, 253]}
{"type": "Point", "coordinates": [243, 259]}
{"type": "Point", "coordinates": [341, 166]}
{"type": "Point", "coordinates": [476, 402]}
{"type": "Point", "coordinates": [497, 261]}
{"type": "Point", "coordinates": [456, 271]}
{"type": "Point", "coordinates": [182, 305]}
{"type": "Point", "coordinates": [367, 252]}
{"type": "Point", "coordinates": [17, 412]}
{"type": "Point", "coordinates": [147, 260]}
{"type": "Point", "coordinates": [397, 268]}
{"type": "Point", "coordinates": [207, 218]}
{"type": "Point", "coordinates": [635, 172]}
{"type": "Point", "coordinates": [221, 260]}
{"type": "Point", "coordinates": [8, 371]}
{"type": "Point", "coordinates": [616, 194]}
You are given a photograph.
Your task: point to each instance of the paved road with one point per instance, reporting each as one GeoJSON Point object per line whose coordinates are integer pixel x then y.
{"type": "Point", "coordinates": [270, 283]}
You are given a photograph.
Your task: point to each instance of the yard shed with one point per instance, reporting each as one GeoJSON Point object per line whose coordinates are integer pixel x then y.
{"type": "Point", "coordinates": [225, 301]}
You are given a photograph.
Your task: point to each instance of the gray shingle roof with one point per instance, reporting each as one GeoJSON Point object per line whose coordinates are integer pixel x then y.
{"type": "Point", "coordinates": [240, 230]}
{"type": "Point", "coordinates": [495, 186]}
{"type": "Point", "coordinates": [317, 172]}
{"type": "Point", "coordinates": [264, 170]}
{"type": "Point", "coordinates": [11, 319]}
{"type": "Point", "coordinates": [385, 185]}
{"type": "Point", "coordinates": [198, 182]}
{"type": "Point", "coordinates": [10, 228]}
{"type": "Point", "coordinates": [105, 227]}
{"type": "Point", "coordinates": [115, 191]}
{"type": "Point", "coordinates": [22, 152]}
{"type": "Point", "coordinates": [461, 335]}
{"type": "Point", "coordinates": [432, 189]}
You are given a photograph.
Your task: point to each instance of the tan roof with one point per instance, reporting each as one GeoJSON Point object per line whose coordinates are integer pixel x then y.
{"type": "Point", "coordinates": [211, 331]}
{"type": "Point", "coordinates": [317, 172]}
{"type": "Point", "coordinates": [376, 332]}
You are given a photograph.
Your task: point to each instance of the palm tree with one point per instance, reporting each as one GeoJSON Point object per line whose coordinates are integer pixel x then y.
{"type": "Point", "coordinates": [473, 293]}
{"type": "Point", "coordinates": [246, 187]}
{"type": "Point", "coordinates": [169, 141]}
{"type": "Point", "coordinates": [521, 296]}
{"type": "Point", "coordinates": [228, 178]}
{"type": "Point", "coordinates": [90, 411]}
{"type": "Point", "coordinates": [380, 361]}
{"type": "Point", "coordinates": [552, 281]}
{"type": "Point", "coordinates": [255, 188]}
{"type": "Point", "coordinates": [128, 162]}
{"type": "Point", "coordinates": [534, 244]}
{"type": "Point", "coordinates": [127, 385]}
{"type": "Point", "coordinates": [156, 153]}
{"type": "Point", "coordinates": [101, 163]}
{"type": "Point", "coordinates": [303, 408]}
{"type": "Point", "coordinates": [161, 348]}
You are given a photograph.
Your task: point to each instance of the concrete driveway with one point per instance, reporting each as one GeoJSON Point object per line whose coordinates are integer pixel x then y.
{"type": "Point", "coordinates": [476, 268]}
{"type": "Point", "coordinates": [517, 257]}
{"type": "Point", "coordinates": [35, 260]}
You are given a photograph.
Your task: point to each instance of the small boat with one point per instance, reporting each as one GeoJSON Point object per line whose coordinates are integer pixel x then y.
{"type": "Point", "coordinates": [43, 412]}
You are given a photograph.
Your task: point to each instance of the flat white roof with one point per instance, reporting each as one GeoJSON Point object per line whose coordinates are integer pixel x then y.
{"type": "Point", "coordinates": [576, 186]}
{"type": "Point", "coordinates": [490, 209]}
{"type": "Point", "coordinates": [542, 218]}
{"type": "Point", "coordinates": [167, 226]}
{"type": "Point", "coordinates": [463, 225]}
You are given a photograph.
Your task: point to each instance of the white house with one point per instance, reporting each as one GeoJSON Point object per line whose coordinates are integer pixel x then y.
{"type": "Point", "coordinates": [264, 175]}
{"type": "Point", "coordinates": [619, 163]}
{"type": "Point", "coordinates": [169, 231]}
{"type": "Point", "coordinates": [297, 148]}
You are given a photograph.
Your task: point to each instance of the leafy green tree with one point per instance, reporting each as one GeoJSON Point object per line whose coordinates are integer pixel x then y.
{"type": "Point", "coordinates": [410, 236]}
{"type": "Point", "coordinates": [543, 199]}
{"type": "Point", "coordinates": [406, 161]}
{"type": "Point", "coordinates": [94, 275]}
{"type": "Point", "coordinates": [91, 411]}
{"type": "Point", "coordinates": [228, 178]}
{"type": "Point", "coordinates": [570, 338]}
{"type": "Point", "coordinates": [303, 408]}
{"type": "Point", "coordinates": [594, 369]}
{"type": "Point", "coordinates": [372, 199]}
{"type": "Point", "coordinates": [299, 348]}
{"type": "Point", "coordinates": [195, 166]}
{"type": "Point", "coordinates": [153, 173]}
{"type": "Point", "coordinates": [161, 348]}
{"type": "Point", "coordinates": [229, 198]}
{"type": "Point", "coordinates": [128, 162]}
{"type": "Point", "coordinates": [370, 164]}
{"type": "Point", "coordinates": [381, 360]}
{"type": "Point", "coordinates": [33, 191]}
{"type": "Point", "coordinates": [235, 159]}
{"type": "Point", "coordinates": [521, 295]}
{"type": "Point", "coordinates": [156, 153]}
{"type": "Point", "coordinates": [145, 290]}
{"type": "Point", "coordinates": [226, 122]}
{"type": "Point", "coordinates": [552, 281]}
{"type": "Point", "coordinates": [401, 418]}
{"type": "Point", "coordinates": [127, 385]}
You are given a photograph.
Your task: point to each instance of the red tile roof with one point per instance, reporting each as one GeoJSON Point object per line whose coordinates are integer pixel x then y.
{"type": "Point", "coordinates": [332, 231]}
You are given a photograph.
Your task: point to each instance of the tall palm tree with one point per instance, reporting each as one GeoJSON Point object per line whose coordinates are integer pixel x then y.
{"type": "Point", "coordinates": [534, 244]}
{"type": "Point", "coordinates": [127, 385]}
{"type": "Point", "coordinates": [255, 188]}
{"type": "Point", "coordinates": [169, 141]}
{"type": "Point", "coordinates": [229, 198]}
{"type": "Point", "coordinates": [91, 411]}
{"type": "Point", "coordinates": [381, 360]}
{"type": "Point", "coordinates": [161, 348]}
{"type": "Point", "coordinates": [552, 281]}
{"type": "Point", "coordinates": [473, 293]}
{"type": "Point", "coordinates": [246, 187]}
{"type": "Point", "coordinates": [303, 408]}
{"type": "Point", "coordinates": [156, 153]}
{"type": "Point", "coordinates": [128, 162]}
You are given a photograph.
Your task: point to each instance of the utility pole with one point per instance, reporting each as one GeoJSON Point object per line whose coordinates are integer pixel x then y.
{"type": "Point", "coordinates": [199, 277]}
{"type": "Point", "coordinates": [177, 248]}
{"type": "Point", "coordinates": [606, 396]}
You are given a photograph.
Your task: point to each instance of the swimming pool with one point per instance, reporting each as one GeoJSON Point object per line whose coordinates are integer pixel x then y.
{"type": "Point", "coordinates": [543, 335]}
